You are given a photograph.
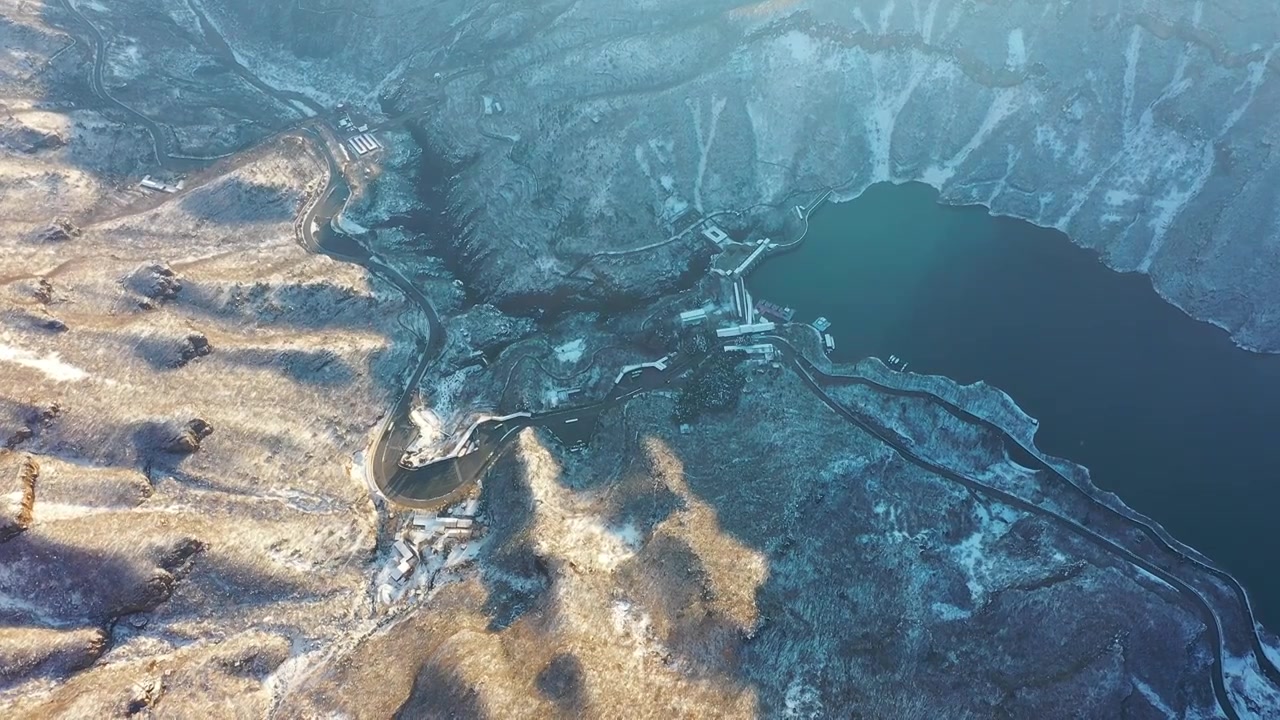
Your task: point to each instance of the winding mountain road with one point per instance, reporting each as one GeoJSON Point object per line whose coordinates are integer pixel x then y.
{"type": "Point", "coordinates": [1157, 536]}
{"type": "Point", "coordinates": [425, 486]}
{"type": "Point", "coordinates": [314, 227]}
{"type": "Point", "coordinates": [808, 372]}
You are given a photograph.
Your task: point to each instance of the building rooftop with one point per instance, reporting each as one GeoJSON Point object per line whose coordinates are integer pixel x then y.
{"type": "Point", "coordinates": [713, 233]}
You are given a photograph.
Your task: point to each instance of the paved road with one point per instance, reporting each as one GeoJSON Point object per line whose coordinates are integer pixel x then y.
{"type": "Point", "coordinates": [572, 425]}
{"type": "Point", "coordinates": [313, 227]}
{"type": "Point", "coordinates": [1157, 536]}
{"type": "Point", "coordinates": [161, 140]}
{"type": "Point", "coordinates": [808, 373]}
{"type": "Point", "coordinates": [397, 432]}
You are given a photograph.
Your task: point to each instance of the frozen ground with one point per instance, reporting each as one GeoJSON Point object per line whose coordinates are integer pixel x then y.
{"type": "Point", "coordinates": [187, 527]}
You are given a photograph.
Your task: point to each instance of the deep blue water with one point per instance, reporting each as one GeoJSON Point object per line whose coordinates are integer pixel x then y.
{"type": "Point", "coordinates": [1164, 410]}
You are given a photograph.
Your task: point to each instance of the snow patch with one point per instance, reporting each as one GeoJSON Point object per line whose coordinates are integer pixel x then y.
{"type": "Point", "coordinates": [968, 553]}
{"type": "Point", "coordinates": [1130, 77]}
{"type": "Point", "coordinates": [947, 611]}
{"type": "Point", "coordinates": [1017, 50]}
{"type": "Point", "coordinates": [1153, 697]}
{"type": "Point", "coordinates": [629, 535]}
{"type": "Point", "coordinates": [430, 429]}
{"type": "Point", "coordinates": [1171, 204]}
{"type": "Point", "coordinates": [635, 625]}
{"type": "Point", "coordinates": [1119, 198]}
{"type": "Point", "coordinates": [570, 352]}
{"type": "Point", "coordinates": [803, 48]}
{"type": "Point", "coordinates": [1253, 695]}
{"type": "Point", "coordinates": [51, 365]}
{"type": "Point", "coordinates": [611, 547]}
{"type": "Point", "coordinates": [1272, 653]}
{"type": "Point", "coordinates": [801, 700]}
{"type": "Point", "coordinates": [349, 226]}
{"type": "Point", "coordinates": [1006, 102]}
{"type": "Point", "coordinates": [293, 669]}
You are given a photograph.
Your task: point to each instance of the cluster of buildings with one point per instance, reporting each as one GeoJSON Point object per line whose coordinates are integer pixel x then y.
{"type": "Point", "coordinates": [775, 311]}
{"type": "Point", "coordinates": [429, 534]}
{"type": "Point", "coordinates": [362, 142]}
{"type": "Point", "coordinates": [345, 122]}
{"type": "Point", "coordinates": [746, 260]}
{"type": "Point", "coordinates": [732, 331]}
{"type": "Point", "coordinates": [748, 315]}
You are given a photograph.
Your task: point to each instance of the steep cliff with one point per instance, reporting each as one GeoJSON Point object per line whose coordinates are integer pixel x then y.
{"type": "Point", "coordinates": [1143, 130]}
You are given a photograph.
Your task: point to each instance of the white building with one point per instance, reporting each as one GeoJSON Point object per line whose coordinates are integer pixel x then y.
{"type": "Point", "coordinates": [364, 143]}
{"type": "Point", "coordinates": [151, 183]}
{"type": "Point", "coordinates": [426, 521]}
{"type": "Point", "coordinates": [745, 266]}
{"type": "Point", "coordinates": [713, 233]}
{"type": "Point", "coordinates": [762, 351]}
{"type": "Point", "coordinates": [739, 330]}
{"type": "Point", "coordinates": [407, 560]}
{"type": "Point", "coordinates": [660, 365]}
{"type": "Point", "coordinates": [688, 317]}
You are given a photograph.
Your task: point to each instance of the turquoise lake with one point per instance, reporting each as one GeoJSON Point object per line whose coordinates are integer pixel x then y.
{"type": "Point", "coordinates": [1163, 409]}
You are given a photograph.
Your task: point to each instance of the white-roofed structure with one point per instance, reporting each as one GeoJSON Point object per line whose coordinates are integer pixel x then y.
{"type": "Point", "coordinates": [765, 351]}
{"type": "Point", "coordinates": [688, 317]}
{"type": "Point", "coordinates": [364, 143]}
{"type": "Point", "coordinates": [745, 266]}
{"type": "Point", "coordinates": [713, 233]}
{"type": "Point", "coordinates": [660, 364]}
{"type": "Point", "coordinates": [739, 330]}
{"type": "Point", "coordinates": [407, 560]}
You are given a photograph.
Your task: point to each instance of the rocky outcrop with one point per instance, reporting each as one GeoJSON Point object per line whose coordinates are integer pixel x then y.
{"type": "Point", "coordinates": [28, 420]}
{"type": "Point", "coordinates": [26, 139]}
{"type": "Point", "coordinates": [35, 652]}
{"type": "Point", "coordinates": [187, 438]}
{"type": "Point", "coordinates": [481, 330]}
{"type": "Point", "coordinates": [57, 231]}
{"type": "Point", "coordinates": [17, 493]}
{"type": "Point", "coordinates": [157, 283]}
{"type": "Point", "coordinates": [172, 437]}
{"type": "Point", "coordinates": [39, 319]}
{"type": "Point", "coordinates": [194, 345]}
{"type": "Point", "coordinates": [43, 292]}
